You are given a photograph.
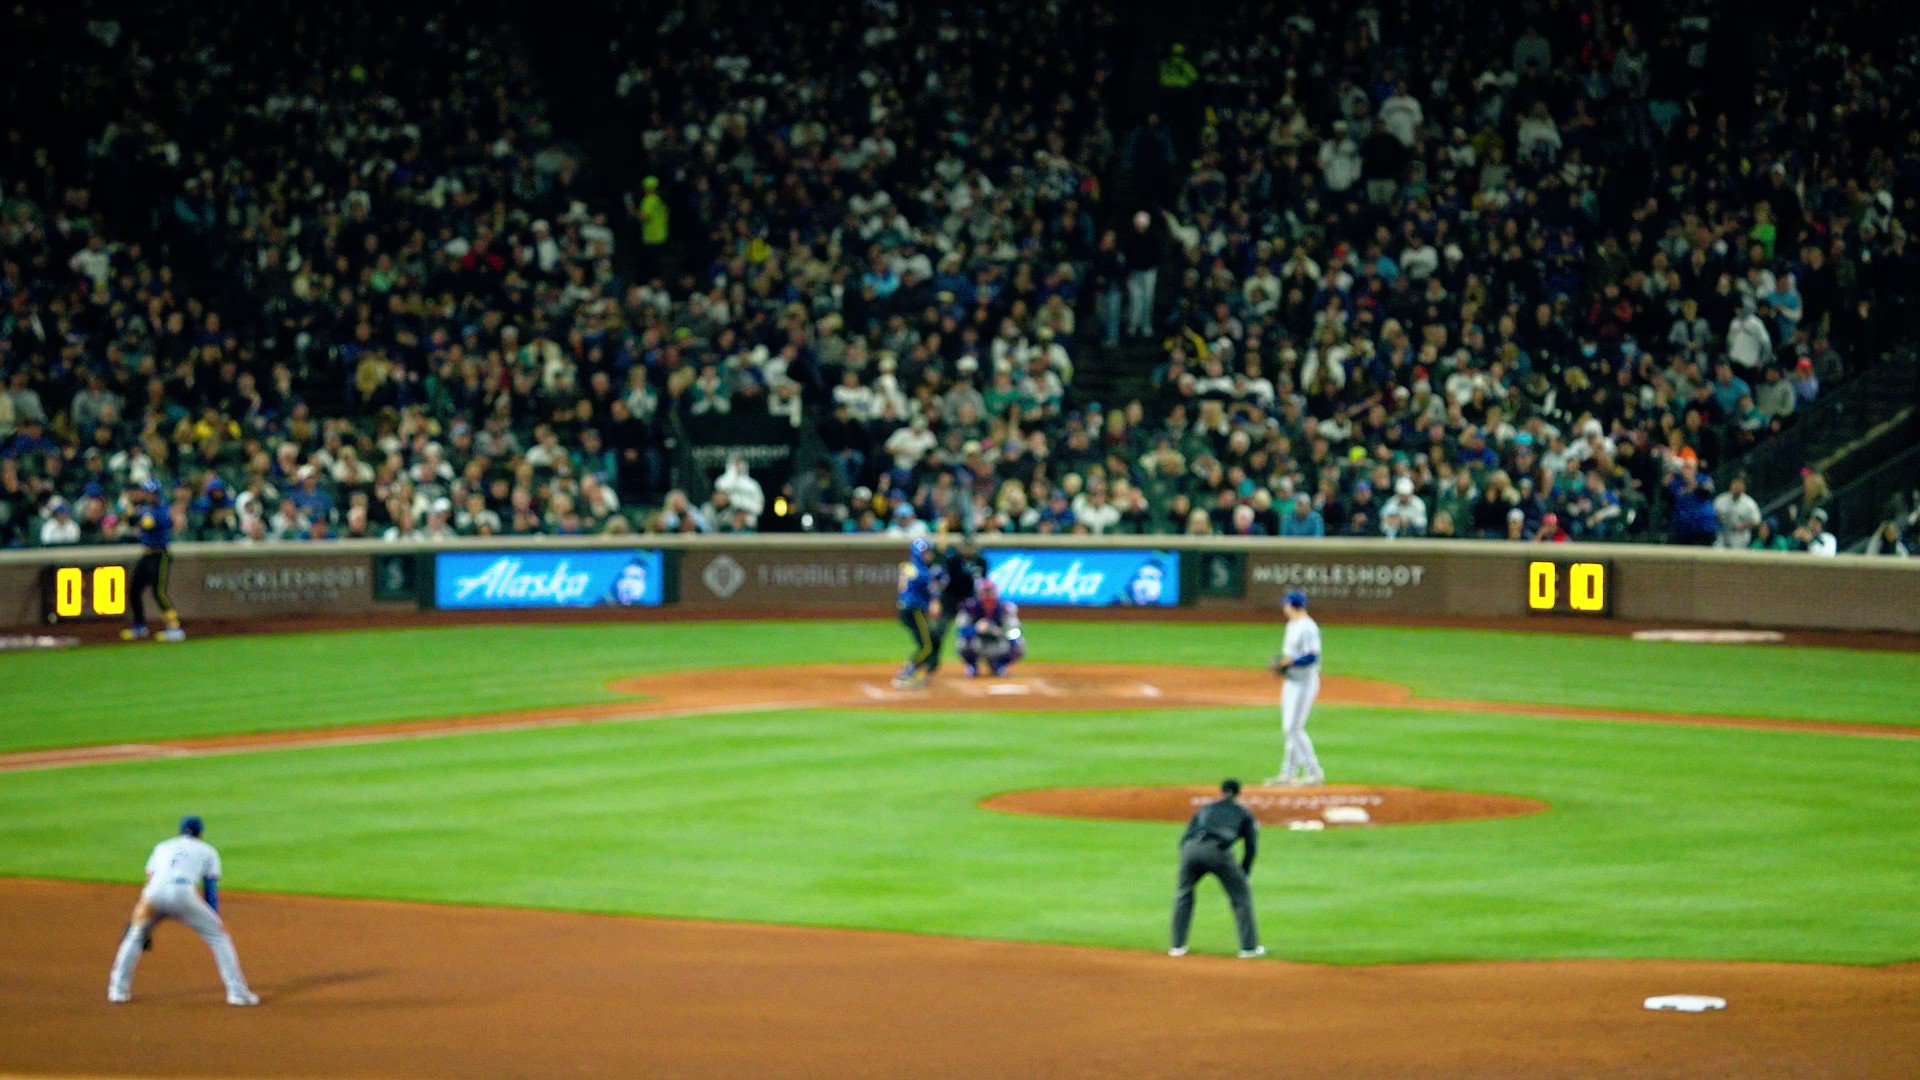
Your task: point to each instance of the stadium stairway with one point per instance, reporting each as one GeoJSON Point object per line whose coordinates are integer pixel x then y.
{"type": "Point", "coordinates": [1860, 437]}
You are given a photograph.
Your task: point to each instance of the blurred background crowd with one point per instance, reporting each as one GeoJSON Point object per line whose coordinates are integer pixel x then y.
{"type": "Point", "coordinates": [1541, 271]}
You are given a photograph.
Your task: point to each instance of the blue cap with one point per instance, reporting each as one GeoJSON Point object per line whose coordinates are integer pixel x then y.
{"type": "Point", "coordinates": [192, 825]}
{"type": "Point", "coordinates": [920, 549]}
{"type": "Point", "coordinates": [1296, 598]}
{"type": "Point", "coordinates": [151, 487]}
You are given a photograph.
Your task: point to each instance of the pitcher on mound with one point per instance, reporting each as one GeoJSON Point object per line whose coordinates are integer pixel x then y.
{"type": "Point", "coordinates": [1298, 666]}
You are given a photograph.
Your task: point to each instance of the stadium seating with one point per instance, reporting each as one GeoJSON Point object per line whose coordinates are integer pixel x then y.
{"type": "Point", "coordinates": [1369, 272]}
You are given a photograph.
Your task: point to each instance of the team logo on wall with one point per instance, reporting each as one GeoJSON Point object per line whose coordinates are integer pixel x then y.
{"type": "Point", "coordinates": [723, 576]}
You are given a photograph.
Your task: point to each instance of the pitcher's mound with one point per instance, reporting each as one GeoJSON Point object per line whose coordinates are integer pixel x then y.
{"type": "Point", "coordinates": [1384, 805]}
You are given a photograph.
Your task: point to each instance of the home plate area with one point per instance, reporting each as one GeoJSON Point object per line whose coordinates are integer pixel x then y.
{"type": "Point", "coordinates": [1066, 689]}
{"type": "Point", "coordinates": [1070, 686]}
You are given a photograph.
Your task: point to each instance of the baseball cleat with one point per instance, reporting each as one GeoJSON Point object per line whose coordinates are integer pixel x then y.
{"type": "Point", "coordinates": [243, 997]}
{"type": "Point", "coordinates": [1254, 953]}
{"type": "Point", "coordinates": [1177, 950]}
{"type": "Point", "coordinates": [175, 634]}
{"type": "Point", "coordinates": [118, 998]}
{"type": "Point", "coordinates": [1276, 781]}
{"type": "Point", "coordinates": [999, 671]}
{"type": "Point", "coordinates": [973, 671]}
{"type": "Point", "coordinates": [133, 633]}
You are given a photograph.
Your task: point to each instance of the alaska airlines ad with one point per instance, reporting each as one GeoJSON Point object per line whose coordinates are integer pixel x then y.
{"type": "Point", "coordinates": [547, 579]}
{"type": "Point", "coordinates": [1124, 577]}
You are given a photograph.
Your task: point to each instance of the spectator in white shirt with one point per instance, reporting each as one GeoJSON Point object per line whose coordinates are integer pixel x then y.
{"type": "Point", "coordinates": [1410, 509]}
{"type": "Point", "coordinates": [59, 528]}
{"type": "Point", "coordinates": [1092, 511]}
{"type": "Point", "coordinates": [93, 262]}
{"type": "Point", "coordinates": [1401, 115]}
{"type": "Point", "coordinates": [910, 444]}
{"type": "Point", "coordinates": [743, 491]}
{"type": "Point", "coordinates": [1739, 515]}
{"type": "Point", "coordinates": [1748, 342]}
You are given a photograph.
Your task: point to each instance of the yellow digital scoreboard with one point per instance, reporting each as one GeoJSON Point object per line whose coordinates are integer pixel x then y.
{"type": "Point", "coordinates": [1566, 587]}
{"type": "Point", "coordinates": [84, 592]}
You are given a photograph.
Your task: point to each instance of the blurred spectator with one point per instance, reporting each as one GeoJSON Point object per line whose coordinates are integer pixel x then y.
{"type": "Point", "coordinates": [1813, 536]}
{"type": "Point", "coordinates": [59, 527]}
{"type": "Point", "coordinates": [1886, 541]}
{"type": "Point", "coordinates": [1422, 269]}
{"type": "Point", "coordinates": [1738, 515]}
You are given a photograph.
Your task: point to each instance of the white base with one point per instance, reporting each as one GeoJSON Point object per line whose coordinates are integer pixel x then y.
{"type": "Point", "coordinates": [1686, 1003]}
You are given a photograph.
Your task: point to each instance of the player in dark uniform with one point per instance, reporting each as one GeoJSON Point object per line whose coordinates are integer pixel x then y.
{"type": "Point", "coordinates": [963, 566]}
{"type": "Point", "coordinates": [152, 521]}
{"type": "Point", "coordinates": [990, 631]}
{"type": "Point", "coordinates": [919, 605]}
{"type": "Point", "coordinates": [1207, 848]}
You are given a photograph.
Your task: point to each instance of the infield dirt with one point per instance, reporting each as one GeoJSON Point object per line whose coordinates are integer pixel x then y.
{"type": "Point", "coordinates": [376, 988]}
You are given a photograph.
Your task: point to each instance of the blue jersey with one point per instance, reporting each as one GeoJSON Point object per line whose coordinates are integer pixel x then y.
{"type": "Point", "coordinates": [917, 586]}
{"type": "Point", "coordinates": [156, 526]}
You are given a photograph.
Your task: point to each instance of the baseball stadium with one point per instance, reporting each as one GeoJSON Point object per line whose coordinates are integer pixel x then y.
{"type": "Point", "coordinates": [708, 538]}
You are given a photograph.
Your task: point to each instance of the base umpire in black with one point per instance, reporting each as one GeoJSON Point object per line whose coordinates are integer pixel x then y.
{"type": "Point", "coordinates": [965, 567]}
{"type": "Point", "coordinates": [1207, 848]}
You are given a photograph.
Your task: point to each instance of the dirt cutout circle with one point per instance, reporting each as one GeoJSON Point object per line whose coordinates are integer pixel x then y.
{"type": "Point", "coordinates": [1324, 806]}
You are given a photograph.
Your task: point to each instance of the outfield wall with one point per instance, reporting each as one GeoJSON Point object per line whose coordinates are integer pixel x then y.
{"type": "Point", "coordinates": [712, 576]}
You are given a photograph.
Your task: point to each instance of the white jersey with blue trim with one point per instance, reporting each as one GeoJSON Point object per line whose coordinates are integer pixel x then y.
{"type": "Point", "coordinates": [1302, 638]}
{"type": "Point", "coordinates": [180, 861]}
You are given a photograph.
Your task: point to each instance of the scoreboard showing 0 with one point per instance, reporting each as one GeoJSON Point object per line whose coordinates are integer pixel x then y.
{"type": "Point", "coordinates": [75, 592]}
{"type": "Point", "coordinates": [1579, 588]}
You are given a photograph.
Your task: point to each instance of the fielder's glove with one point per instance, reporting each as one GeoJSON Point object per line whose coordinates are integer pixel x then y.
{"type": "Point", "coordinates": [1281, 664]}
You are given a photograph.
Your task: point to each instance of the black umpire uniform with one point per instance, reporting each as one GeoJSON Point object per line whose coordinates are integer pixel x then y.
{"type": "Point", "coordinates": [964, 568]}
{"type": "Point", "coordinates": [1207, 848]}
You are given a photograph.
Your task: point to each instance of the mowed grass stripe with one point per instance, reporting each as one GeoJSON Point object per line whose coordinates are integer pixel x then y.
{"type": "Point", "coordinates": [219, 686]}
{"type": "Point", "coordinates": [1663, 841]}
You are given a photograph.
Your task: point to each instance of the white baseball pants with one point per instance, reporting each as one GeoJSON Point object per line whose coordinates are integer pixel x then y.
{"type": "Point", "coordinates": [1296, 702]}
{"type": "Point", "coordinates": [182, 903]}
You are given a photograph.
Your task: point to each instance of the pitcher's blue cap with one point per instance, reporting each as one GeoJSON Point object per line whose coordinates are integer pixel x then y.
{"type": "Point", "coordinates": [1296, 598]}
{"type": "Point", "coordinates": [191, 825]}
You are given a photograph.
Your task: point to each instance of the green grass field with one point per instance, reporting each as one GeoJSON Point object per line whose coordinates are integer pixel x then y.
{"type": "Point", "coordinates": [1662, 840]}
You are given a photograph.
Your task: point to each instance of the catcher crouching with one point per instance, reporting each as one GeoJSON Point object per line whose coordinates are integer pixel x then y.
{"type": "Point", "coordinates": [989, 631]}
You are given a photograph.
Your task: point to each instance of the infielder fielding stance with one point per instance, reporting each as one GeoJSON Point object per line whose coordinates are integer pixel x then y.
{"type": "Point", "coordinates": [1298, 666]}
{"type": "Point", "coordinates": [1207, 848]}
{"type": "Point", "coordinates": [990, 631]}
{"type": "Point", "coordinates": [176, 872]}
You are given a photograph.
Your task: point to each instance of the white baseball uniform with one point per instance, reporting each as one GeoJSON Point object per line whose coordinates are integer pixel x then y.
{"type": "Point", "coordinates": [1298, 688]}
{"type": "Point", "coordinates": [175, 872]}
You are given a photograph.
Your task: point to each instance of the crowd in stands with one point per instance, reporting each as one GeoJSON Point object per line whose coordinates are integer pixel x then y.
{"type": "Point", "coordinates": [1376, 270]}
